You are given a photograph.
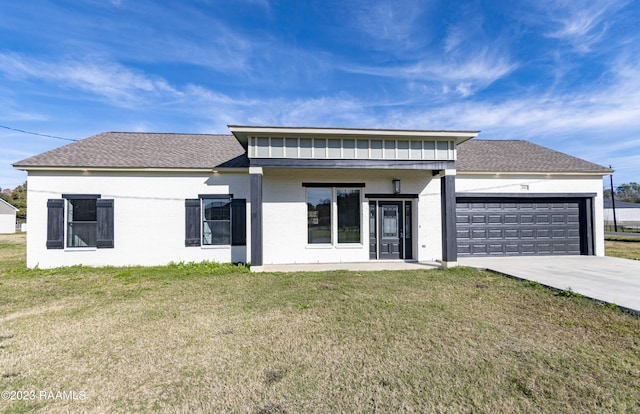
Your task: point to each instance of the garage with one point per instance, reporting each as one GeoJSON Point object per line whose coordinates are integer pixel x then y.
{"type": "Point", "coordinates": [525, 226]}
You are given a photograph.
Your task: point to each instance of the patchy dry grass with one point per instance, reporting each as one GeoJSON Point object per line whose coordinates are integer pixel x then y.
{"type": "Point", "coordinates": [624, 247]}
{"type": "Point", "coordinates": [213, 338]}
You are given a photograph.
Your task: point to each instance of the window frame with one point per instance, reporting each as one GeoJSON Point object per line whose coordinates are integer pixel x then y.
{"type": "Point", "coordinates": [309, 242]}
{"type": "Point", "coordinates": [203, 220]}
{"type": "Point", "coordinates": [334, 188]}
{"type": "Point", "coordinates": [359, 215]}
{"type": "Point", "coordinates": [69, 224]}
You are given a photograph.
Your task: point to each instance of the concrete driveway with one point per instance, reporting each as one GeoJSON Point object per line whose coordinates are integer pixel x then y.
{"type": "Point", "coordinates": [606, 279]}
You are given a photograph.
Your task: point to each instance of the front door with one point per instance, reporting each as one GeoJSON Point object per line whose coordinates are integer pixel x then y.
{"type": "Point", "coordinates": [390, 230]}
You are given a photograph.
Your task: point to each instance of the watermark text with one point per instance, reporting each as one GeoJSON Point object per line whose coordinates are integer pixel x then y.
{"type": "Point", "coordinates": [43, 395]}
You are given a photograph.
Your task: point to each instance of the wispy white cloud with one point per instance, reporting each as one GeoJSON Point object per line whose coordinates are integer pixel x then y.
{"type": "Point", "coordinates": [10, 112]}
{"type": "Point", "coordinates": [465, 75]}
{"type": "Point", "coordinates": [465, 60]}
{"type": "Point", "coordinates": [261, 3]}
{"type": "Point", "coordinates": [389, 20]}
{"type": "Point", "coordinates": [456, 36]}
{"type": "Point", "coordinates": [467, 31]}
{"type": "Point", "coordinates": [580, 23]}
{"type": "Point", "coordinates": [626, 167]}
{"type": "Point", "coordinates": [117, 83]}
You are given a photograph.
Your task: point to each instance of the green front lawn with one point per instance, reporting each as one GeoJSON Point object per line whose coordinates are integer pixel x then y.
{"type": "Point", "coordinates": [213, 338]}
{"type": "Point", "coordinates": [626, 247]}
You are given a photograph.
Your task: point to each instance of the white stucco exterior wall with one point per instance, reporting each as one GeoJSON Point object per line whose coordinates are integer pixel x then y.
{"type": "Point", "coordinates": [149, 217]}
{"type": "Point", "coordinates": [149, 212]}
{"type": "Point", "coordinates": [285, 214]}
{"type": "Point", "coordinates": [560, 184]}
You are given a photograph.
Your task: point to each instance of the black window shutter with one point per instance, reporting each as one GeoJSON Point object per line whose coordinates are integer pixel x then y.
{"type": "Point", "coordinates": [104, 210]}
{"type": "Point", "coordinates": [192, 222]}
{"type": "Point", "coordinates": [238, 222]}
{"type": "Point", "coordinates": [55, 223]}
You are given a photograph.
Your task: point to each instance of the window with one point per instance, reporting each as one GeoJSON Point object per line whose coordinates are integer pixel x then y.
{"type": "Point", "coordinates": [216, 222]}
{"type": "Point", "coordinates": [88, 222]}
{"type": "Point", "coordinates": [319, 148]}
{"type": "Point", "coordinates": [348, 216]}
{"type": "Point", "coordinates": [320, 215]}
{"type": "Point", "coordinates": [82, 222]}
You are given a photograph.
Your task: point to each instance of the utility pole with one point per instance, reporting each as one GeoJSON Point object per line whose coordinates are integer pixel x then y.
{"type": "Point", "coordinates": [613, 204]}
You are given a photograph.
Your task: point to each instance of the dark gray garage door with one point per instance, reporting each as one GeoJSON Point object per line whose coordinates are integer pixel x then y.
{"type": "Point", "coordinates": [519, 227]}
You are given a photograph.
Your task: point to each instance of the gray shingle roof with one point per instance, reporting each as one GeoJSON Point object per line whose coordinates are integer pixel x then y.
{"type": "Point", "coordinates": [478, 155]}
{"type": "Point", "coordinates": [145, 150]}
{"type": "Point", "coordinates": [203, 151]}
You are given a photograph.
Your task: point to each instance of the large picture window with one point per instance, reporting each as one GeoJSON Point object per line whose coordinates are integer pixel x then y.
{"type": "Point", "coordinates": [216, 224]}
{"type": "Point", "coordinates": [348, 215]}
{"type": "Point", "coordinates": [319, 215]}
{"type": "Point", "coordinates": [82, 222]}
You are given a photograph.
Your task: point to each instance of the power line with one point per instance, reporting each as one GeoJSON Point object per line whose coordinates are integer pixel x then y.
{"type": "Point", "coordinates": [40, 135]}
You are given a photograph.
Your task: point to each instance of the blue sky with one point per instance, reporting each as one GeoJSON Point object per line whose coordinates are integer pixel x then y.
{"type": "Point", "coordinates": [563, 73]}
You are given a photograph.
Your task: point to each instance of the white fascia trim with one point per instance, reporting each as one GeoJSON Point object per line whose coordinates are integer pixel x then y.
{"type": "Point", "coordinates": [242, 132]}
{"type": "Point", "coordinates": [566, 174]}
{"type": "Point", "coordinates": [115, 169]}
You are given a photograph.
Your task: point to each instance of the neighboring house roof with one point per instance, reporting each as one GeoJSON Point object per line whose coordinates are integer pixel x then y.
{"type": "Point", "coordinates": [5, 203]}
{"type": "Point", "coordinates": [203, 151]}
{"type": "Point", "coordinates": [621, 204]}
{"type": "Point", "coordinates": [479, 155]}
{"type": "Point", "coordinates": [144, 150]}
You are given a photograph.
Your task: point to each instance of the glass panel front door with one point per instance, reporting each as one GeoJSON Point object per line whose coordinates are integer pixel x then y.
{"type": "Point", "coordinates": [390, 232]}
{"type": "Point", "coordinates": [390, 240]}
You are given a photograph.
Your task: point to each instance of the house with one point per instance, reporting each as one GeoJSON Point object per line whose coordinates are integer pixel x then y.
{"type": "Point", "coordinates": [278, 195]}
{"type": "Point", "coordinates": [7, 217]}
{"type": "Point", "coordinates": [627, 214]}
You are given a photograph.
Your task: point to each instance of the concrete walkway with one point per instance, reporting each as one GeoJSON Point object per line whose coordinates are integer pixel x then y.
{"type": "Point", "coordinates": [364, 266]}
{"type": "Point", "coordinates": [606, 279]}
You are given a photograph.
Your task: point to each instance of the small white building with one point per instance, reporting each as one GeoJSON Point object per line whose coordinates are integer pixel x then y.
{"type": "Point", "coordinates": [278, 195]}
{"type": "Point", "coordinates": [626, 213]}
{"type": "Point", "coordinates": [7, 217]}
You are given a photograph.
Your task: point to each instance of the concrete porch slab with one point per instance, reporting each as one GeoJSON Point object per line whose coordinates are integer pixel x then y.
{"type": "Point", "coordinates": [361, 266]}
